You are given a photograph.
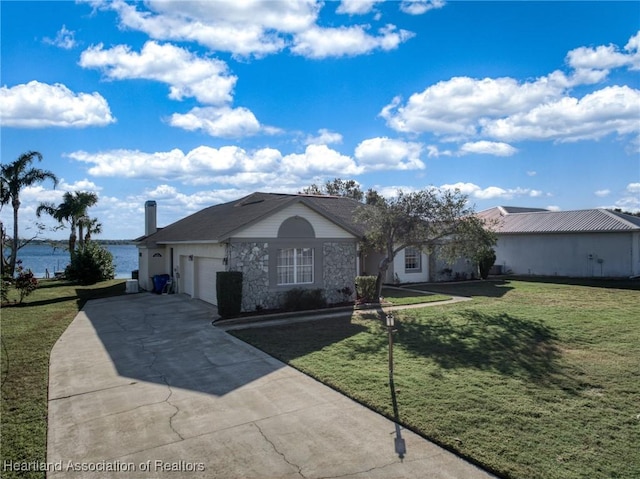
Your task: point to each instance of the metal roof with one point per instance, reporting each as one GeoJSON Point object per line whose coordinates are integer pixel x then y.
{"type": "Point", "coordinates": [513, 220]}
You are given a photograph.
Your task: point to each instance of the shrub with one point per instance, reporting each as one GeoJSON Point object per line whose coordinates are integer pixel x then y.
{"type": "Point", "coordinates": [5, 285]}
{"type": "Point", "coordinates": [298, 299]}
{"type": "Point", "coordinates": [90, 264]}
{"type": "Point", "coordinates": [25, 282]}
{"type": "Point", "coordinates": [229, 293]}
{"type": "Point", "coordinates": [366, 289]}
{"type": "Point", "coordinates": [346, 293]}
{"type": "Point", "coordinates": [486, 257]}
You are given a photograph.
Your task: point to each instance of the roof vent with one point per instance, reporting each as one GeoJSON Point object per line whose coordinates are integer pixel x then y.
{"type": "Point", "coordinates": [250, 200]}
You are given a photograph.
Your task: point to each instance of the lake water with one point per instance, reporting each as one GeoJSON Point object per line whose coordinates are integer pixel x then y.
{"type": "Point", "coordinates": [42, 257]}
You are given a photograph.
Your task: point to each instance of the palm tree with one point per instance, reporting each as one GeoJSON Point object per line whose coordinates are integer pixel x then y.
{"type": "Point", "coordinates": [93, 227]}
{"type": "Point", "coordinates": [13, 178]}
{"type": "Point", "coordinates": [73, 210]}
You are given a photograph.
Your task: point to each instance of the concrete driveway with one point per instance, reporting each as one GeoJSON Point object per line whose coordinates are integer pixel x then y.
{"type": "Point", "coordinates": [144, 386]}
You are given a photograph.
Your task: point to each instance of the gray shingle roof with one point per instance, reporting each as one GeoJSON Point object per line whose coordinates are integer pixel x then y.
{"type": "Point", "coordinates": [510, 220]}
{"type": "Point", "coordinates": [220, 222]}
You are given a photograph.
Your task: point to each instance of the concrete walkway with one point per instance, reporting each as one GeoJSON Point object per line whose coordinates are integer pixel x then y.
{"type": "Point", "coordinates": [142, 386]}
{"type": "Point", "coordinates": [277, 319]}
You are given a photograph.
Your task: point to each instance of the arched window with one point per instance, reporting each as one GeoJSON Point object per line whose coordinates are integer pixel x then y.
{"type": "Point", "coordinates": [295, 264]}
{"type": "Point", "coordinates": [296, 227]}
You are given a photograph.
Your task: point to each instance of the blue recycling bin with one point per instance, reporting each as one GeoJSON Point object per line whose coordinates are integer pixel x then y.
{"type": "Point", "coordinates": [159, 282]}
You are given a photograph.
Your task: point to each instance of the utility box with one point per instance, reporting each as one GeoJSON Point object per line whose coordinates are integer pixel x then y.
{"type": "Point", "coordinates": [132, 286]}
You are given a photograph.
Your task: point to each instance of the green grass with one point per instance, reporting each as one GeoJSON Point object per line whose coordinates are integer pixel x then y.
{"type": "Point", "coordinates": [28, 333]}
{"type": "Point", "coordinates": [399, 297]}
{"type": "Point", "coordinates": [532, 380]}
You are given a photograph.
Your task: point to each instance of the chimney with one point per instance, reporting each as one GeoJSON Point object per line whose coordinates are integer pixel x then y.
{"type": "Point", "coordinates": [150, 225]}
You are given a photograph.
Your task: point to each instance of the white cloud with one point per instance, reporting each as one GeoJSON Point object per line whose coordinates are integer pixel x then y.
{"type": "Point", "coordinates": [606, 57]}
{"type": "Point", "coordinates": [39, 105]}
{"type": "Point", "coordinates": [393, 190]}
{"type": "Point", "coordinates": [491, 192]}
{"type": "Point", "coordinates": [633, 188]}
{"type": "Point", "coordinates": [319, 159]}
{"type": "Point", "coordinates": [599, 58]}
{"type": "Point", "coordinates": [482, 147]}
{"type": "Point", "coordinates": [255, 28]}
{"type": "Point", "coordinates": [187, 75]}
{"type": "Point", "coordinates": [454, 107]}
{"type": "Point", "coordinates": [177, 204]}
{"type": "Point", "coordinates": [418, 7]}
{"type": "Point", "coordinates": [245, 28]}
{"type": "Point", "coordinates": [201, 166]}
{"type": "Point", "coordinates": [488, 148]}
{"type": "Point", "coordinates": [602, 193]}
{"type": "Point", "coordinates": [222, 122]}
{"type": "Point", "coordinates": [532, 173]}
{"type": "Point", "coordinates": [236, 166]}
{"type": "Point", "coordinates": [64, 39]}
{"type": "Point", "coordinates": [324, 137]}
{"type": "Point", "coordinates": [483, 113]}
{"type": "Point", "coordinates": [630, 199]}
{"type": "Point", "coordinates": [385, 153]}
{"type": "Point", "coordinates": [465, 188]}
{"type": "Point", "coordinates": [32, 196]}
{"type": "Point", "coordinates": [79, 185]}
{"type": "Point", "coordinates": [613, 109]}
{"type": "Point", "coordinates": [205, 79]}
{"type": "Point", "coordinates": [204, 165]}
{"type": "Point", "coordinates": [435, 152]}
{"type": "Point", "coordinates": [356, 7]}
{"type": "Point", "coordinates": [319, 42]}
{"type": "Point", "coordinates": [131, 163]}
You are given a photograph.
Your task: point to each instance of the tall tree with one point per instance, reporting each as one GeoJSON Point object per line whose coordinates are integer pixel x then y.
{"type": "Point", "coordinates": [337, 187]}
{"type": "Point", "coordinates": [425, 220]}
{"type": "Point", "coordinates": [72, 210]}
{"type": "Point", "coordinates": [373, 197]}
{"type": "Point", "coordinates": [14, 177]}
{"type": "Point", "coordinates": [93, 227]}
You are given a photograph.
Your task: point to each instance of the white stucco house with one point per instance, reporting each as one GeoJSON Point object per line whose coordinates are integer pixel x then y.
{"type": "Point", "coordinates": [580, 243]}
{"type": "Point", "coordinates": [412, 265]}
{"type": "Point", "coordinates": [285, 241]}
{"type": "Point", "coordinates": [278, 242]}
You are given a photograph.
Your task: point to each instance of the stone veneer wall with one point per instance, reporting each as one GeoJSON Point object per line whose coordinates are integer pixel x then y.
{"type": "Point", "coordinates": [339, 270]}
{"type": "Point", "coordinates": [252, 259]}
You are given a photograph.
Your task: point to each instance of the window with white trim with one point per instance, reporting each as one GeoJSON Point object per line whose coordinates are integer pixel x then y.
{"type": "Point", "coordinates": [412, 259]}
{"type": "Point", "coordinates": [295, 266]}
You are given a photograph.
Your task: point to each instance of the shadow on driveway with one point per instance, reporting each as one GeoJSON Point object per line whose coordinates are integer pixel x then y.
{"type": "Point", "coordinates": [165, 339]}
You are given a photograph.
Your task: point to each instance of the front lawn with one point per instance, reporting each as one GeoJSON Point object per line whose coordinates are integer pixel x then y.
{"type": "Point", "coordinates": [403, 297]}
{"type": "Point", "coordinates": [533, 380]}
{"type": "Point", "coordinates": [28, 334]}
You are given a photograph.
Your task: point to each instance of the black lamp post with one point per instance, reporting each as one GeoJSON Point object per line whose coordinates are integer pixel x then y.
{"type": "Point", "coordinates": [391, 322]}
{"type": "Point", "coordinates": [400, 445]}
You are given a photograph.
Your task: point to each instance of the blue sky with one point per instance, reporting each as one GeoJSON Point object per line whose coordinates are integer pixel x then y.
{"type": "Point", "coordinates": [197, 103]}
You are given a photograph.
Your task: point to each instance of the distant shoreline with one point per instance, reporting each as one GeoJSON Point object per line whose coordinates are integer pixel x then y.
{"type": "Point", "coordinates": [52, 256]}
{"type": "Point", "coordinates": [66, 242]}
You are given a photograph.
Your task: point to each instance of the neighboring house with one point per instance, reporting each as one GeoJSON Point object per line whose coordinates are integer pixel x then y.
{"type": "Point", "coordinates": [411, 265]}
{"type": "Point", "coordinates": [581, 243]}
{"type": "Point", "coordinates": [278, 242]}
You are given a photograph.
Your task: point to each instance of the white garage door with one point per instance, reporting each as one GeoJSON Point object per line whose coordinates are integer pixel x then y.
{"type": "Point", "coordinates": [186, 276]}
{"type": "Point", "coordinates": [206, 269]}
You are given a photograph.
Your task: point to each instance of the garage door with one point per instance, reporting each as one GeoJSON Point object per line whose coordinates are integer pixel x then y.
{"type": "Point", "coordinates": [206, 269]}
{"type": "Point", "coordinates": [186, 276]}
